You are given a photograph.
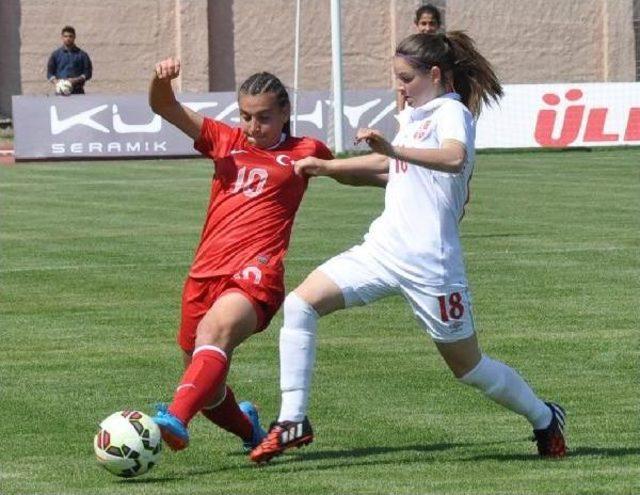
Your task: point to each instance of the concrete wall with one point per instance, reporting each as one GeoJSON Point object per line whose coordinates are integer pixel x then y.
{"type": "Point", "coordinates": [122, 38]}
{"type": "Point", "coordinates": [370, 30]}
{"type": "Point", "coordinates": [10, 83]}
{"type": "Point", "coordinates": [636, 28]}
{"type": "Point", "coordinates": [536, 41]}
{"type": "Point", "coordinates": [619, 41]}
{"type": "Point", "coordinates": [221, 42]}
{"type": "Point", "coordinates": [252, 42]}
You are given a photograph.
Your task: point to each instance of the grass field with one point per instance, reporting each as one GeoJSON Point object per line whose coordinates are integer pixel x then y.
{"type": "Point", "coordinates": [93, 256]}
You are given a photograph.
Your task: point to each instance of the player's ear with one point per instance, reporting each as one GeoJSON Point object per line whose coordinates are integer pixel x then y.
{"type": "Point", "coordinates": [436, 75]}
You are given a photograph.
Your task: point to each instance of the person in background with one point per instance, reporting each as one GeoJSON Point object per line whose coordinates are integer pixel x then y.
{"type": "Point", "coordinates": [69, 62]}
{"type": "Point", "coordinates": [427, 20]}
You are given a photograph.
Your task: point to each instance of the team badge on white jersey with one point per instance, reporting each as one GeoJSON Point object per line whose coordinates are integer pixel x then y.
{"type": "Point", "coordinates": [423, 131]}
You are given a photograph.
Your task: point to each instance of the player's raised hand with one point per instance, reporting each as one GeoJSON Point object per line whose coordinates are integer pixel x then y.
{"type": "Point", "coordinates": [376, 141]}
{"type": "Point", "coordinates": [168, 69]}
{"type": "Point", "coordinates": [312, 166]}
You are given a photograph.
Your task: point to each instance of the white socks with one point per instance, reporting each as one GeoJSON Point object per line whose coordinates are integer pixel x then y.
{"type": "Point", "coordinates": [506, 387]}
{"type": "Point", "coordinates": [297, 359]}
{"type": "Point", "coordinates": [297, 356]}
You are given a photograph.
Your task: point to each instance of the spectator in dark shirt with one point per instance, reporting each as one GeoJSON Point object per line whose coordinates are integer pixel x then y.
{"type": "Point", "coordinates": [69, 62]}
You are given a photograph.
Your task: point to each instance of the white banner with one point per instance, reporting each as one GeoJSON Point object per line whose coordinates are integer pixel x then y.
{"type": "Point", "coordinates": [562, 115]}
{"type": "Point", "coordinates": [529, 116]}
{"type": "Point", "coordinates": [119, 126]}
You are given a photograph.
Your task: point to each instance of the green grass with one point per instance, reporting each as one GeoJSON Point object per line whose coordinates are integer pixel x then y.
{"type": "Point", "coordinates": [93, 256]}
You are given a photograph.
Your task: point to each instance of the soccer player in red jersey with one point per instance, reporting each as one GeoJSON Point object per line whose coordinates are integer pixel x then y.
{"type": "Point", "coordinates": [235, 284]}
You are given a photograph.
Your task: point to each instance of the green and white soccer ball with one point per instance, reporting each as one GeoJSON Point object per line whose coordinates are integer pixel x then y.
{"type": "Point", "coordinates": [128, 443]}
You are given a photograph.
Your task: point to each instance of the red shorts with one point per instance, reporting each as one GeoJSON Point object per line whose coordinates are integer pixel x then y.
{"type": "Point", "coordinates": [264, 290]}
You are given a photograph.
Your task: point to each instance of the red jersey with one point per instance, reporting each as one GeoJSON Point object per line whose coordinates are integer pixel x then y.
{"type": "Point", "coordinates": [254, 197]}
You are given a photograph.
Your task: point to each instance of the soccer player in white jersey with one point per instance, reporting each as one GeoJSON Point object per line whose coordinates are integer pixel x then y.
{"type": "Point", "coordinates": [413, 248]}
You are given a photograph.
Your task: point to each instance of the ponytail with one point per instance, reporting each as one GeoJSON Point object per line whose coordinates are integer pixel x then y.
{"type": "Point", "coordinates": [462, 66]}
{"type": "Point", "coordinates": [473, 76]}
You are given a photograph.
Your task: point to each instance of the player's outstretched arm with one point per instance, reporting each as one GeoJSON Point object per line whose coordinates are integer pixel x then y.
{"type": "Point", "coordinates": [366, 170]}
{"type": "Point", "coordinates": [450, 157]}
{"type": "Point", "coordinates": [376, 180]}
{"type": "Point", "coordinates": [162, 99]}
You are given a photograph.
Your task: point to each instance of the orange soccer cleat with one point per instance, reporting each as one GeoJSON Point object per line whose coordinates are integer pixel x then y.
{"type": "Point", "coordinates": [282, 436]}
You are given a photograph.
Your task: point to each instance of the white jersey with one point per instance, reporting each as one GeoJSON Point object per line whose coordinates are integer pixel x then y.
{"type": "Point", "coordinates": [417, 234]}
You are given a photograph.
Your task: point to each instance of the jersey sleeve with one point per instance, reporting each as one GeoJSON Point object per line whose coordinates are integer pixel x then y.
{"type": "Point", "coordinates": [216, 139]}
{"type": "Point", "coordinates": [453, 123]}
{"type": "Point", "coordinates": [322, 151]}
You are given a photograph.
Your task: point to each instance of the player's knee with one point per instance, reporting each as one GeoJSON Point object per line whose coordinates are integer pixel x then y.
{"type": "Point", "coordinates": [217, 332]}
{"type": "Point", "coordinates": [298, 313]}
{"type": "Point", "coordinates": [319, 291]}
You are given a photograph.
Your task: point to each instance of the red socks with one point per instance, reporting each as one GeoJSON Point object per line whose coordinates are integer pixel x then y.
{"type": "Point", "coordinates": [228, 416]}
{"type": "Point", "coordinates": [208, 369]}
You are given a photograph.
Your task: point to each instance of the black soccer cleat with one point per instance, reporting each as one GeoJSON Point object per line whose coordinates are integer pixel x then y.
{"type": "Point", "coordinates": [550, 440]}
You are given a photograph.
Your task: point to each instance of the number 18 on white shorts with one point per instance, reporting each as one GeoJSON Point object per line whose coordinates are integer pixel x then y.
{"type": "Point", "coordinates": [445, 313]}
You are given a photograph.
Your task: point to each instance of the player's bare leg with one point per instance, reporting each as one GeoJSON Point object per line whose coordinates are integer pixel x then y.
{"type": "Point", "coordinates": [231, 320]}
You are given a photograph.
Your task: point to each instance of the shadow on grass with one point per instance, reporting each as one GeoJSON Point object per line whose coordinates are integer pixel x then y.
{"type": "Point", "coordinates": [147, 481]}
{"type": "Point", "coordinates": [371, 452]}
{"type": "Point", "coordinates": [605, 452]}
{"type": "Point", "coordinates": [142, 480]}
{"type": "Point", "coordinates": [506, 234]}
{"type": "Point", "coordinates": [367, 455]}
{"type": "Point", "coordinates": [573, 452]}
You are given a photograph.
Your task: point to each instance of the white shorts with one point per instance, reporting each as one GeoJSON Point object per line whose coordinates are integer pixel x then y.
{"type": "Point", "coordinates": [445, 313]}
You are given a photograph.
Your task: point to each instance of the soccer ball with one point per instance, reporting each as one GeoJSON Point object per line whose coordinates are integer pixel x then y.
{"type": "Point", "coordinates": [63, 87]}
{"type": "Point", "coordinates": [128, 443]}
